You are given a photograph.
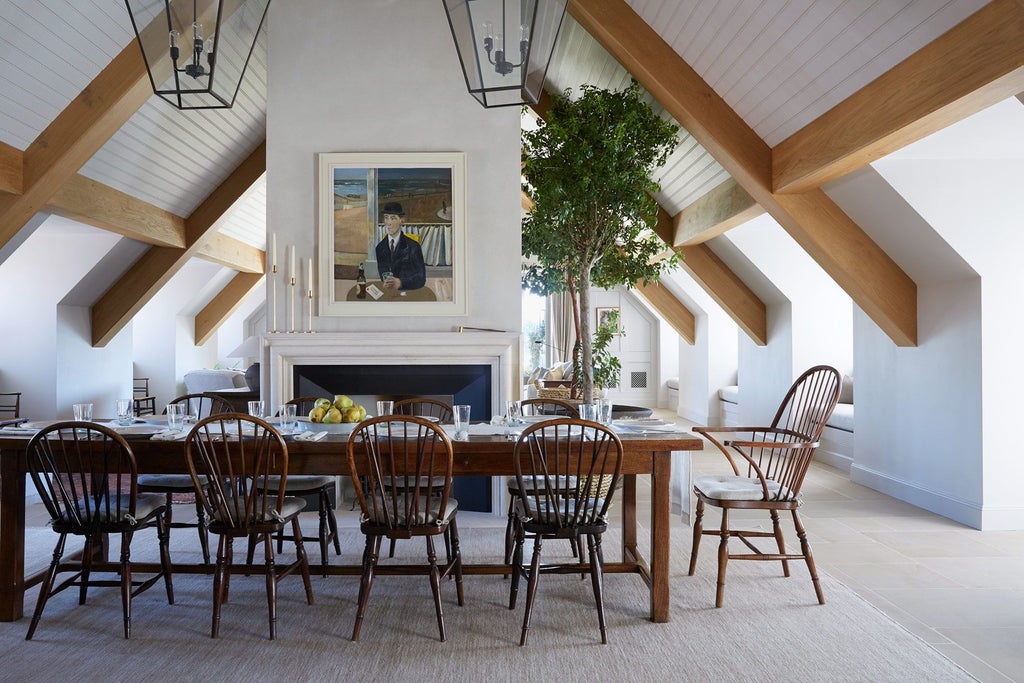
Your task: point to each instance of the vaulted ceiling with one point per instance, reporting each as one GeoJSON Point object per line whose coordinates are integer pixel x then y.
{"type": "Point", "coordinates": [773, 100]}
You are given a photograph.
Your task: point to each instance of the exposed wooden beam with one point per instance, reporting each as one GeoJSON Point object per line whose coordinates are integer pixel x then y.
{"type": "Point", "coordinates": [144, 279]}
{"type": "Point", "coordinates": [670, 308]}
{"type": "Point", "coordinates": [75, 135]}
{"type": "Point", "coordinates": [721, 209]}
{"type": "Point", "coordinates": [972, 66]}
{"type": "Point", "coordinates": [11, 162]}
{"type": "Point", "coordinates": [101, 206]}
{"type": "Point", "coordinates": [223, 305]}
{"type": "Point", "coordinates": [871, 278]}
{"type": "Point", "coordinates": [232, 253]}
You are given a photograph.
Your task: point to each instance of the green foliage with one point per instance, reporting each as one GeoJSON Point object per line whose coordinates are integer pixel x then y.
{"type": "Point", "coordinates": [588, 171]}
{"type": "Point", "coordinates": [607, 368]}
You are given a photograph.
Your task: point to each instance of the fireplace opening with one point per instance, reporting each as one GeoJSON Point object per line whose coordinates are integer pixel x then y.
{"type": "Point", "coordinates": [366, 384]}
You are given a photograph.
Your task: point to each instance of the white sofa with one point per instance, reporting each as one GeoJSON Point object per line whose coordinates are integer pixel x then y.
{"type": "Point", "coordinates": [729, 405]}
{"type": "Point", "coordinates": [836, 447]}
{"type": "Point", "coordinates": [199, 381]}
{"type": "Point", "coordinates": [557, 373]}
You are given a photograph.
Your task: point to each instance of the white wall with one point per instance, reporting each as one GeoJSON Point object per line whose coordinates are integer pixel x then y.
{"type": "Point", "coordinates": [100, 375]}
{"type": "Point", "coordinates": [331, 89]}
{"type": "Point", "coordinates": [36, 277]}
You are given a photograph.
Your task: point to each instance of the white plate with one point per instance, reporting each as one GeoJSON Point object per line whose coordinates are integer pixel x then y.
{"type": "Point", "coordinates": [337, 428]}
{"type": "Point", "coordinates": [640, 421]}
{"type": "Point", "coordinates": [428, 418]}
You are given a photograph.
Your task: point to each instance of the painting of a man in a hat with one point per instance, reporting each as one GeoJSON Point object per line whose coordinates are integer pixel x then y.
{"type": "Point", "coordinates": [399, 254]}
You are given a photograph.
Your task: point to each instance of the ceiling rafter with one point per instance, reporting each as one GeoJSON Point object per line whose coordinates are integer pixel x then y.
{"type": "Point", "coordinates": [159, 264]}
{"type": "Point", "coordinates": [722, 208]}
{"type": "Point", "coordinates": [222, 306]}
{"type": "Point", "coordinates": [974, 65]}
{"type": "Point", "coordinates": [11, 165]}
{"type": "Point", "coordinates": [868, 275]}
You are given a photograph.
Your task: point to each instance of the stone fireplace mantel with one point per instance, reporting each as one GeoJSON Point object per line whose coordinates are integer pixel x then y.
{"type": "Point", "coordinates": [282, 352]}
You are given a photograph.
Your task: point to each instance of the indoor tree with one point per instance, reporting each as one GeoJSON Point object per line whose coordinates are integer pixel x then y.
{"type": "Point", "coordinates": [588, 170]}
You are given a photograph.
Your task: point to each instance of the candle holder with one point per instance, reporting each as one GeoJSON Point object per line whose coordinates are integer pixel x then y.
{"type": "Point", "coordinates": [273, 296]}
{"type": "Point", "coordinates": [291, 298]}
{"type": "Point", "coordinates": [309, 295]}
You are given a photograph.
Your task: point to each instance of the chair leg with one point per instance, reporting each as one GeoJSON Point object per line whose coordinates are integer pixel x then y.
{"type": "Point", "coordinates": [779, 540]}
{"type": "Point", "coordinates": [300, 554]}
{"type": "Point", "coordinates": [204, 534]}
{"type": "Point", "coordinates": [531, 589]}
{"type": "Point", "coordinates": [44, 590]}
{"type": "Point", "coordinates": [126, 582]}
{"type": "Point", "coordinates": [435, 584]}
{"type": "Point", "coordinates": [391, 548]}
{"type": "Point", "coordinates": [322, 530]}
{"type": "Point", "coordinates": [453, 537]}
{"type": "Point", "coordinates": [510, 532]}
{"type": "Point", "coordinates": [597, 578]}
{"type": "Point", "coordinates": [517, 565]}
{"type": "Point", "coordinates": [723, 558]}
{"type": "Point", "coordinates": [332, 522]}
{"type": "Point", "coordinates": [219, 583]}
{"type": "Point", "coordinates": [698, 531]}
{"type": "Point", "coordinates": [805, 548]}
{"type": "Point", "coordinates": [163, 534]}
{"type": "Point", "coordinates": [87, 554]}
{"type": "Point", "coordinates": [366, 581]}
{"type": "Point", "coordinates": [271, 576]}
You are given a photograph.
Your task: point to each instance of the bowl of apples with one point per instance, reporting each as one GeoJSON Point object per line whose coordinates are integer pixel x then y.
{"type": "Point", "coordinates": [339, 415]}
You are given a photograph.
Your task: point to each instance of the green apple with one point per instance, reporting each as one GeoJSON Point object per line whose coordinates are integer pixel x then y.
{"type": "Point", "coordinates": [324, 403]}
{"type": "Point", "coordinates": [342, 402]}
{"type": "Point", "coordinates": [332, 417]}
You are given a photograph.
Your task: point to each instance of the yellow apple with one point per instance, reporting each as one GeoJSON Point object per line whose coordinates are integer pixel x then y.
{"type": "Point", "coordinates": [324, 403]}
{"type": "Point", "coordinates": [355, 414]}
{"type": "Point", "coordinates": [333, 416]}
{"type": "Point", "coordinates": [317, 415]}
{"type": "Point", "coordinates": [342, 402]}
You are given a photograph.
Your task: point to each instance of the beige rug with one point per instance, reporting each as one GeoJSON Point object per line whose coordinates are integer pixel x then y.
{"type": "Point", "coordinates": [771, 628]}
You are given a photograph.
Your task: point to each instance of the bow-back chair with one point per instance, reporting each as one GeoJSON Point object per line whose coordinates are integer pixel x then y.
{"type": "Point", "coordinates": [200, 405]}
{"type": "Point", "coordinates": [769, 465]}
{"type": "Point", "coordinates": [86, 477]}
{"type": "Point", "coordinates": [319, 485]}
{"type": "Point", "coordinates": [386, 455]}
{"type": "Point", "coordinates": [230, 458]}
{"type": "Point", "coordinates": [567, 470]}
{"type": "Point", "coordinates": [532, 408]}
{"type": "Point", "coordinates": [10, 405]}
{"type": "Point", "coordinates": [424, 407]}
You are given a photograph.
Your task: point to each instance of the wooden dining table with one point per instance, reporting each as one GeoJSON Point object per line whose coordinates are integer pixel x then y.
{"type": "Point", "coordinates": [643, 454]}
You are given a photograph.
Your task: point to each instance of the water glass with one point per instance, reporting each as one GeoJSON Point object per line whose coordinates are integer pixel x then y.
{"type": "Point", "coordinates": [256, 408]}
{"type": "Point", "coordinates": [82, 412]}
{"type": "Point", "coordinates": [125, 411]}
{"type": "Point", "coordinates": [589, 411]}
{"type": "Point", "coordinates": [604, 411]}
{"type": "Point", "coordinates": [385, 408]}
{"type": "Point", "coordinates": [461, 414]}
{"type": "Point", "coordinates": [513, 413]}
{"type": "Point", "coordinates": [288, 417]}
{"type": "Point", "coordinates": [176, 416]}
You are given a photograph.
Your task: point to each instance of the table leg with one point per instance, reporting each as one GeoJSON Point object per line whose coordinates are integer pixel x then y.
{"type": "Point", "coordinates": [12, 535]}
{"type": "Point", "coordinates": [629, 551]}
{"type": "Point", "coordinates": [661, 539]}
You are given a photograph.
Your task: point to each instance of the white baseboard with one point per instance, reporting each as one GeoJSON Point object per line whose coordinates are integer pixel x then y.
{"type": "Point", "coordinates": [697, 417]}
{"type": "Point", "coordinates": [840, 461]}
{"type": "Point", "coordinates": [1005, 518]}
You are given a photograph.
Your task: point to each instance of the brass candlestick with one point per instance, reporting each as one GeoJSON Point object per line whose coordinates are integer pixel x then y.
{"type": "Point", "coordinates": [309, 295]}
{"type": "Point", "coordinates": [291, 327]}
{"type": "Point", "coordinates": [273, 295]}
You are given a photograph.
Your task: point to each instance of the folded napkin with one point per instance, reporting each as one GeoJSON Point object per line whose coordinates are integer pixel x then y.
{"type": "Point", "coordinates": [310, 436]}
{"type": "Point", "coordinates": [168, 435]}
{"type": "Point", "coordinates": [18, 431]}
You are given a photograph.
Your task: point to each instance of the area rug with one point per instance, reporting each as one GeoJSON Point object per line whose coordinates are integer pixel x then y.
{"type": "Point", "coordinates": [771, 628]}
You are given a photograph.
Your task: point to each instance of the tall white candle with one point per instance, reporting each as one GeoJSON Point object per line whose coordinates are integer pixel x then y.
{"type": "Point", "coordinates": [273, 250]}
{"type": "Point", "coordinates": [291, 271]}
{"type": "Point", "coordinates": [309, 275]}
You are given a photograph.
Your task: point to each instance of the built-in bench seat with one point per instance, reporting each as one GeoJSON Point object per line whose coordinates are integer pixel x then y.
{"type": "Point", "coordinates": [836, 447]}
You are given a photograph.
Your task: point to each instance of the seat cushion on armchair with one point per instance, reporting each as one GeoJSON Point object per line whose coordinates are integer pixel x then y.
{"type": "Point", "coordinates": [199, 381]}
{"type": "Point", "coordinates": [731, 487]}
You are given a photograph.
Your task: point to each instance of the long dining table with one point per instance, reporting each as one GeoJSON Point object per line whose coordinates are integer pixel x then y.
{"type": "Point", "coordinates": [647, 453]}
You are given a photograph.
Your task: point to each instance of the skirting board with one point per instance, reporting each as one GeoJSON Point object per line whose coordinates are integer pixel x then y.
{"type": "Point", "coordinates": [840, 461]}
{"type": "Point", "coordinates": [988, 518]}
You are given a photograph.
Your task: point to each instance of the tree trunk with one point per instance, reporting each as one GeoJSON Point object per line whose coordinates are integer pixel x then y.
{"type": "Point", "coordinates": [574, 389]}
{"type": "Point", "coordinates": [587, 363]}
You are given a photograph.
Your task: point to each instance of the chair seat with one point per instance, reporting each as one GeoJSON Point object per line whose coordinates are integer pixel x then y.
{"type": "Point", "coordinates": [559, 482]}
{"type": "Point", "coordinates": [546, 513]}
{"type": "Point", "coordinates": [145, 505]}
{"type": "Point", "coordinates": [407, 482]}
{"type": "Point", "coordinates": [174, 482]}
{"type": "Point", "coordinates": [305, 483]}
{"type": "Point", "coordinates": [731, 487]}
{"type": "Point", "coordinates": [433, 517]}
{"type": "Point", "coordinates": [289, 508]}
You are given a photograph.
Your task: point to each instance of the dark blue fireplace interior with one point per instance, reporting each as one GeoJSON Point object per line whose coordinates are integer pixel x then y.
{"type": "Point", "coordinates": [457, 384]}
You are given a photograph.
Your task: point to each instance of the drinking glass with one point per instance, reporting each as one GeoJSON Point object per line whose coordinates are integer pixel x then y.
{"type": "Point", "coordinates": [385, 408]}
{"type": "Point", "coordinates": [125, 411]}
{"type": "Point", "coordinates": [513, 411]}
{"type": "Point", "coordinates": [588, 411]}
{"type": "Point", "coordinates": [256, 408]}
{"type": "Point", "coordinates": [604, 410]}
{"type": "Point", "coordinates": [288, 416]}
{"type": "Point", "coordinates": [461, 413]}
{"type": "Point", "coordinates": [82, 412]}
{"type": "Point", "coordinates": [385, 275]}
{"type": "Point", "coordinates": [176, 416]}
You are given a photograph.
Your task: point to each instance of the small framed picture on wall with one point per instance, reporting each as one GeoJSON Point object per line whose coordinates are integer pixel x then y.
{"type": "Point", "coordinates": [609, 315]}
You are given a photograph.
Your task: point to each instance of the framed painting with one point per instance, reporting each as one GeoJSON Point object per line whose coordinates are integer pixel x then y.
{"type": "Point", "coordinates": [605, 314]}
{"type": "Point", "coordinates": [392, 234]}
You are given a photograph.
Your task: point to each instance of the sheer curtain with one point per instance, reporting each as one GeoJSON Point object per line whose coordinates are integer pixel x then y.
{"type": "Point", "coordinates": [563, 333]}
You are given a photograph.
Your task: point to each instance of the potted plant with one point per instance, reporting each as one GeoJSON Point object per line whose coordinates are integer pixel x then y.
{"type": "Point", "coordinates": [588, 170]}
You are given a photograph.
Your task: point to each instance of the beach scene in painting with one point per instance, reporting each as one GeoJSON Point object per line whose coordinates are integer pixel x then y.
{"type": "Point", "coordinates": [425, 197]}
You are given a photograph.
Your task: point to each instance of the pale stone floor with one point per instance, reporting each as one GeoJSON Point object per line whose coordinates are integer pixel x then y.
{"type": "Point", "coordinates": [959, 589]}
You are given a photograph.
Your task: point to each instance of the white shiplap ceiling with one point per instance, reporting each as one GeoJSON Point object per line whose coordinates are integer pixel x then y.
{"type": "Point", "coordinates": [779, 63]}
